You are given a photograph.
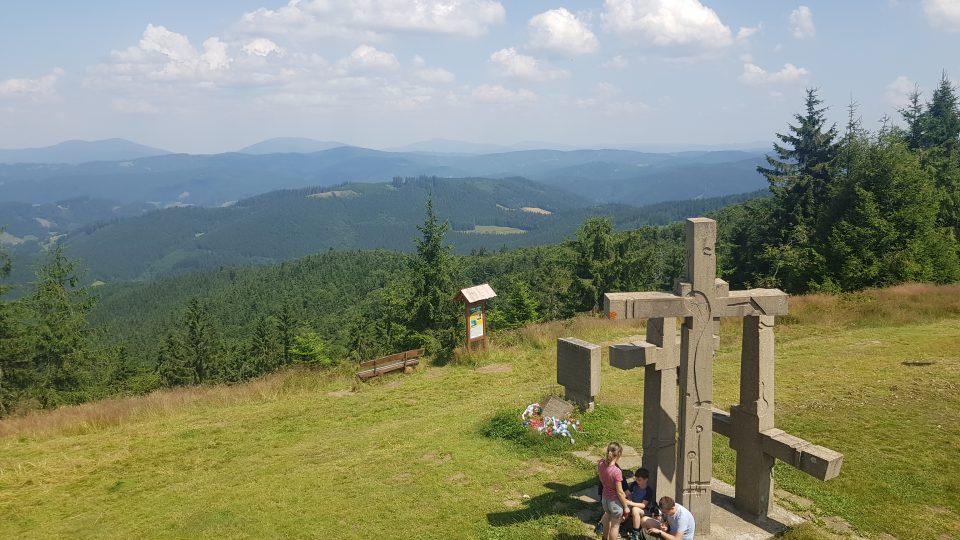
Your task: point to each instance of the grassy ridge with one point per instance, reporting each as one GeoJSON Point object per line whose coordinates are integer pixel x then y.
{"type": "Point", "coordinates": [873, 375]}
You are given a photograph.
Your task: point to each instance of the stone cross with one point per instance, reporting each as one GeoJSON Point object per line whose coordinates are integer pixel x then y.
{"type": "Point", "coordinates": [660, 358]}
{"type": "Point", "coordinates": [578, 371]}
{"type": "Point", "coordinates": [702, 299]}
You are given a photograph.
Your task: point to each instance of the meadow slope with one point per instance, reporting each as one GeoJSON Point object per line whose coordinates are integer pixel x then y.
{"type": "Point", "coordinates": [310, 454]}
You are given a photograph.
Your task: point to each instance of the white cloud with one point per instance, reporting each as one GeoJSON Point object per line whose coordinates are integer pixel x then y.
{"type": "Point", "coordinates": [367, 58]}
{"type": "Point", "coordinates": [497, 94]}
{"type": "Point", "coordinates": [435, 75]}
{"type": "Point", "coordinates": [746, 32]}
{"type": "Point", "coordinates": [559, 30]}
{"type": "Point", "coordinates": [262, 47]}
{"type": "Point", "coordinates": [367, 18]}
{"type": "Point", "coordinates": [943, 14]}
{"type": "Point", "coordinates": [45, 86]}
{"type": "Point", "coordinates": [617, 62]}
{"type": "Point", "coordinates": [667, 23]}
{"type": "Point", "coordinates": [513, 64]}
{"type": "Point", "coordinates": [898, 91]}
{"type": "Point", "coordinates": [755, 75]}
{"type": "Point", "coordinates": [801, 23]}
{"type": "Point", "coordinates": [163, 55]}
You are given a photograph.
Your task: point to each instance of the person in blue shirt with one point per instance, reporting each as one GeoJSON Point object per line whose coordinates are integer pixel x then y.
{"type": "Point", "coordinates": [642, 494]}
{"type": "Point", "coordinates": [679, 524]}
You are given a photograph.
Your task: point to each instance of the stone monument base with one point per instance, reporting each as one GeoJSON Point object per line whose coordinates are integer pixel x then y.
{"type": "Point", "coordinates": [728, 522]}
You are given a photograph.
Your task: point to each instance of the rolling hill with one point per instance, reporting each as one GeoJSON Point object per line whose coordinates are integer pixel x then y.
{"type": "Point", "coordinates": [74, 152]}
{"type": "Point", "coordinates": [287, 224]}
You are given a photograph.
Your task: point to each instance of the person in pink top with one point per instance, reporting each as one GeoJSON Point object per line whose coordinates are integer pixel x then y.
{"type": "Point", "coordinates": [612, 497]}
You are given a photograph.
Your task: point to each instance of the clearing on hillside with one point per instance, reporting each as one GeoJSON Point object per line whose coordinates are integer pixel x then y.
{"type": "Point", "coordinates": [493, 229]}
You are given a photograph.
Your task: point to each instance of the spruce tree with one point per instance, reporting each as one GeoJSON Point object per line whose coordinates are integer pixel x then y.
{"type": "Point", "coordinates": [913, 115]}
{"type": "Point", "coordinates": [263, 349]}
{"type": "Point", "coordinates": [16, 372]}
{"type": "Point", "coordinates": [172, 364]}
{"type": "Point", "coordinates": [199, 341]}
{"type": "Point", "coordinates": [802, 178]}
{"type": "Point", "coordinates": [596, 265]}
{"type": "Point", "coordinates": [57, 311]}
{"type": "Point", "coordinates": [286, 329]}
{"type": "Point", "coordinates": [801, 175]}
{"type": "Point", "coordinates": [886, 229]}
{"type": "Point", "coordinates": [941, 142]}
{"type": "Point", "coordinates": [434, 313]}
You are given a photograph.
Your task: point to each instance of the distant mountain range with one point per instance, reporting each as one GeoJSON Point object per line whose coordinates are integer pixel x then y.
{"type": "Point", "coordinates": [622, 176]}
{"type": "Point", "coordinates": [74, 152]}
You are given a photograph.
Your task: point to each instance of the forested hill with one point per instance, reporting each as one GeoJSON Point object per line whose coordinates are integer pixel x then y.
{"type": "Point", "coordinates": [484, 214]}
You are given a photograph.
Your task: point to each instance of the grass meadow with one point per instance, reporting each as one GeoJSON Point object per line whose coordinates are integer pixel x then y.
{"type": "Point", "coordinates": [309, 454]}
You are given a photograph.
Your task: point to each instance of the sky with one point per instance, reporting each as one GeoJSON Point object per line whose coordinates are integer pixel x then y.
{"type": "Point", "coordinates": [214, 76]}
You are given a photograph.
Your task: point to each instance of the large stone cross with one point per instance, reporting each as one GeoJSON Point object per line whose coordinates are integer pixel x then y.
{"type": "Point", "coordinates": [701, 300]}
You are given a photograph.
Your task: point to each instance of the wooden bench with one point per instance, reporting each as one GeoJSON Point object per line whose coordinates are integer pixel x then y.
{"type": "Point", "coordinates": [387, 364]}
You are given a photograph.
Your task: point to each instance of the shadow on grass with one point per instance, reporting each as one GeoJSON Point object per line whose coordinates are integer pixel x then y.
{"type": "Point", "coordinates": [557, 501]}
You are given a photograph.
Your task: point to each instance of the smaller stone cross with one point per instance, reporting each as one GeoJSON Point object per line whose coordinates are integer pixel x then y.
{"type": "Point", "coordinates": [750, 426]}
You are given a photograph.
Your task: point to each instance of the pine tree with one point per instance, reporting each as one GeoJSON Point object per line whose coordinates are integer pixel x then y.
{"type": "Point", "coordinates": [309, 348]}
{"type": "Point", "coordinates": [913, 115]}
{"type": "Point", "coordinates": [941, 141]}
{"type": "Point", "coordinates": [886, 229]}
{"type": "Point", "coordinates": [263, 350]}
{"type": "Point", "coordinates": [596, 267]}
{"type": "Point", "coordinates": [517, 307]}
{"type": "Point", "coordinates": [286, 329]}
{"type": "Point", "coordinates": [801, 174]}
{"type": "Point", "coordinates": [434, 314]}
{"type": "Point", "coordinates": [172, 365]}
{"type": "Point", "coordinates": [200, 344]}
{"type": "Point", "coordinates": [941, 119]}
{"type": "Point", "coordinates": [57, 308]}
{"type": "Point", "coordinates": [15, 367]}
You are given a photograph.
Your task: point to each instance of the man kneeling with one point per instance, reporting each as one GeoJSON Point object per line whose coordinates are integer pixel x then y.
{"type": "Point", "coordinates": [678, 522]}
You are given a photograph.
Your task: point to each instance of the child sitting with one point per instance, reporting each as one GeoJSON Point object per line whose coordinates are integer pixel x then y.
{"type": "Point", "coordinates": [642, 494]}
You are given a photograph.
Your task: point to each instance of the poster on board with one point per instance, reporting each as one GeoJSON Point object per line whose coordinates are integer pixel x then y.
{"type": "Point", "coordinates": [476, 321]}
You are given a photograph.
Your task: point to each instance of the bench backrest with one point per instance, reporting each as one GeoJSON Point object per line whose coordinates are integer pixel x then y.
{"type": "Point", "coordinates": [390, 359]}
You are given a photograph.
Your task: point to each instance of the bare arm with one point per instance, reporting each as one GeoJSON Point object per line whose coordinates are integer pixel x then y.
{"type": "Point", "coordinates": [623, 497]}
{"type": "Point", "coordinates": [667, 536]}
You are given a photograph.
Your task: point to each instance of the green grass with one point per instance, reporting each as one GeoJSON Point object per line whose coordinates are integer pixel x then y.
{"type": "Point", "coordinates": [414, 456]}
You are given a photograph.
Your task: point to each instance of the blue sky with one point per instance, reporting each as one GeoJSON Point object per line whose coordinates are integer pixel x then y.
{"type": "Point", "coordinates": [214, 76]}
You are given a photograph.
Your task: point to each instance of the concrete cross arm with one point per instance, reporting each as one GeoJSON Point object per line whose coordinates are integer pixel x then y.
{"type": "Point", "coordinates": [817, 461]}
{"type": "Point", "coordinates": [651, 305]}
{"type": "Point", "coordinates": [754, 302]}
{"type": "Point", "coordinates": [641, 354]}
{"type": "Point", "coordinates": [643, 305]}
